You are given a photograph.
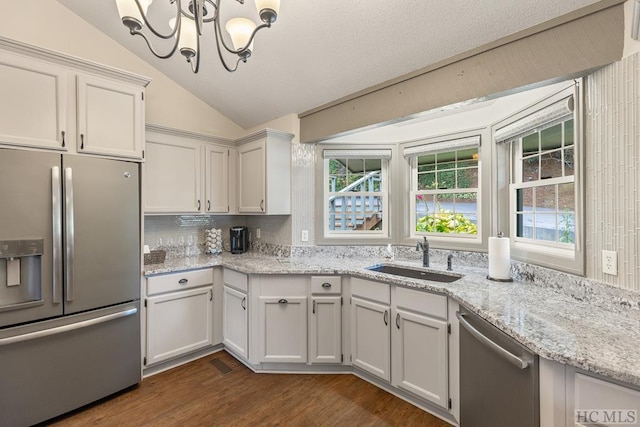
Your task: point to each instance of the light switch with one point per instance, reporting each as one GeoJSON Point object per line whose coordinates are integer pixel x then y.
{"type": "Point", "coordinates": [13, 272]}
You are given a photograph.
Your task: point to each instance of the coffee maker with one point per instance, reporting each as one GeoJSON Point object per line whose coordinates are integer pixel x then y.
{"type": "Point", "coordinates": [239, 240]}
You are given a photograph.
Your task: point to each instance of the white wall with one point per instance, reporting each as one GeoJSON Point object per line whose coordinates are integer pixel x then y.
{"type": "Point", "coordinates": [48, 24]}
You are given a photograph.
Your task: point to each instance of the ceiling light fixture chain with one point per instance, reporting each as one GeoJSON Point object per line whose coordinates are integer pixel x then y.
{"type": "Point", "coordinates": [188, 26]}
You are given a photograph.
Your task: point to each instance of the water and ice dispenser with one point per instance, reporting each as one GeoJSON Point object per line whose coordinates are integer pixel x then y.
{"type": "Point", "coordinates": [20, 273]}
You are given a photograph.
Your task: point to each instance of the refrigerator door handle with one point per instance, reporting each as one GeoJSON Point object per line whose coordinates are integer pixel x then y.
{"type": "Point", "coordinates": [56, 207]}
{"type": "Point", "coordinates": [69, 232]}
{"type": "Point", "coordinates": [67, 328]}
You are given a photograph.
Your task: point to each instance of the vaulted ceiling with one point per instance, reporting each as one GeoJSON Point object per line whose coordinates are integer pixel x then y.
{"type": "Point", "coordinates": [319, 51]}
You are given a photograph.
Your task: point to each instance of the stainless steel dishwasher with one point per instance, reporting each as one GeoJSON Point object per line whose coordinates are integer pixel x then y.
{"type": "Point", "coordinates": [499, 383]}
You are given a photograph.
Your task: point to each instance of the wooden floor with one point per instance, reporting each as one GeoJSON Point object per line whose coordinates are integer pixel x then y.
{"type": "Point", "coordinates": [200, 394]}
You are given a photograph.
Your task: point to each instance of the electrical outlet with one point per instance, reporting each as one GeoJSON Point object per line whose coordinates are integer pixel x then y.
{"type": "Point", "coordinates": [610, 262]}
{"type": "Point", "coordinates": [304, 236]}
{"type": "Point", "coordinates": [257, 233]}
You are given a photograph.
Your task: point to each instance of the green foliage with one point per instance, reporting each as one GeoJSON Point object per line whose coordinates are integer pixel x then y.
{"type": "Point", "coordinates": [566, 221]}
{"type": "Point", "coordinates": [446, 222]}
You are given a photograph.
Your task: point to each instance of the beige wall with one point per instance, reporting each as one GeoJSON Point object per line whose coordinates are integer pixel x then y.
{"type": "Point", "coordinates": [48, 24]}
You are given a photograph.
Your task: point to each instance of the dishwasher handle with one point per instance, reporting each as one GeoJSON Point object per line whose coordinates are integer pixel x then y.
{"type": "Point", "coordinates": [505, 354]}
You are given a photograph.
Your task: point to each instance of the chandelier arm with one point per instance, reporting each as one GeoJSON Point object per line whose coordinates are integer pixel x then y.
{"type": "Point", "coordinates": [158, 55]}
{"type": "Point", "coordinates": [197, 65]}
{"type": "Point", "coordinates": [215, 8]}
{"type": "Point", "coordinates": [153, 30]}
{"type": "Point", "coordinates": [224, 62]}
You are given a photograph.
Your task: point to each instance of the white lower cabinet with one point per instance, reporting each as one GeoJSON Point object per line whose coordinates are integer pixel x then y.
{"type": "Point", "coordinates": [419, 346]}
{"type": "Point", "coordinates": [325, 329]}
{"type": "Point", "coordinates": [178, 323]}
{"type": "Point", "coordinates": [282, 315]}
{"type": "Point", "coordinates": [370, 327]}
{"type": "Point", "coordinates": [235, 323]}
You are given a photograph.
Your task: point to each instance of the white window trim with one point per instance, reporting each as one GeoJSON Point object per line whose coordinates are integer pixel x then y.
{"type": "Point", "coordinates": [363, 236]}
{"type": "Point", "coordinates": [451, 143]}
{"type": "Point", "coordinates": [559, 256]}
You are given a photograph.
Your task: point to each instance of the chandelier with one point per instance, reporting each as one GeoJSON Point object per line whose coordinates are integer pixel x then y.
{"type": "Point", "coordinates": [187, 27]}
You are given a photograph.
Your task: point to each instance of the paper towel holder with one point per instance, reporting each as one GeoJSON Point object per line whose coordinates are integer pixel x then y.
{"type": "Point", "coordinates": [510, 279]}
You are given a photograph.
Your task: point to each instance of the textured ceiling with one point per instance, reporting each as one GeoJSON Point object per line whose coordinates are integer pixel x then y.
{"type": "Point", "coordinates": [319, 51]}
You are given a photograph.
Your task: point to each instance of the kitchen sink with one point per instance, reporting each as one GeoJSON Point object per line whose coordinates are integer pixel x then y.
{"type": "Point", "coordinates": [414, 273]}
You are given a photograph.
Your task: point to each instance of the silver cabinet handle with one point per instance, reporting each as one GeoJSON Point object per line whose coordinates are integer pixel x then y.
{"type": "Point", "coordinates": [314, 307]}
{"type": "Point", "coordinates": [183, 281]}
{"type": "Point", "coordinates": [243, 303]}
{"type": "Point", "coordinates": [208, 205]}
{"type": "Point", "coordinates": [283, 301]}
{"type": "Point", "coordinates": [398, 320]}
{"type": "Point", "coordinates": [69, 232]}
{"type": "Point", "coordinates": [67, 328]}
{"type": "Point", "coordinates": [199, 204]}
{"type": "Point", "coordinates": [56, 206]}
{"type": "Point", "coordinates": [262, 205]}
{"type": "Point", "coordinates": [210, 295]}
{"type": "Point", "coordinates": [326, 285]}
{"type": "Point", "coordinates": [63, 142]}
{"type": "Point", "coordinates": [82, 141]}
{"type": "Point", "coordinates": [386, 314]}
{"type": "Point", "coordinates": [510, 357]}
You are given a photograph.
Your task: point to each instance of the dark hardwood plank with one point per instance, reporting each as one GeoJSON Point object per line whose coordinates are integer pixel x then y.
{"type": "Point", "coordinates": [203, 394]}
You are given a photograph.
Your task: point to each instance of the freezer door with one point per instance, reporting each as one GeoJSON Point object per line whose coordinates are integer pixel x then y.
{"type": "Point", "coordinates": [29, 190]}
{"type": "Point", "coordinates": [102, 232]}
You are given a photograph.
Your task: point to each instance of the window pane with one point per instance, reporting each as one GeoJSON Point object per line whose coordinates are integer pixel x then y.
{"type": "Point", "coordinates": [356, 182]}
{"type": "Point", "coordinates": [566, 197]}
{"type": "Point", "coordinates": [372, 165]}
{"type": "Point", "coordinates": [446, 180]}
{"type": "Point", "coordinates": [445, 203]}
{"type": "Point", "coordinates": [466, 203]}
{"type": "Point", "coordinates": [530, 144]}
{"type": "Point", "coordinates": [425, 204]}
{"type": "Point", "coordinates": [568, 132]}
{"type": "Point", "coordinates": [524, 225]}
{"type": "Point", "coordinates": [530, 168]}
{"type": "Point", "coordinates": [551, 138]}
{"type": "Point", "coordinates": [545, 198]}
{"type": "Point", "coordinates": [426, 163]}
{"type": "Point", "coordinates": [551, 164]}
{"type": "Point", "coordinates": [545, 227]}
{"type": "Point", "coordinates": [568, 162]}
{"type": "Point", "coordinates": [442, 166]}
{"type": "Point", "coordinates": [467, 178]}
{"type": "Point", "coordinates": [566, 228]}
{"type": "Point", "coordinates": [427, 181]}
{"type": "Point", "coordinates": [468, 154]}
{"type": "Point", "coordinates": [524, 200]}
{"type": "Point", "coordinates": [355, 165]}
{"type": "Point", "coordinates": [446, 157]}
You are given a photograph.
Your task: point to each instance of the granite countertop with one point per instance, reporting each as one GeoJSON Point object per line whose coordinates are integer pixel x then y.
{"type": "Point", "coordinates": [554, 324]}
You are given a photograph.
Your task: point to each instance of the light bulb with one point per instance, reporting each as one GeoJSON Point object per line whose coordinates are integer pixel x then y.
{"type": "Point", "coordinates": [130, 14]}
{"type": "Point", "coordinates": [268, 10]}
{"type": "Point", "coordinates": [188, 43]}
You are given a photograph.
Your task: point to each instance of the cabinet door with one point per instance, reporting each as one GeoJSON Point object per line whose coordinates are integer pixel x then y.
{"type": "Point", "coordinates": [419, 354]}
{"type": "Point", "coordinates": [110, 118]}
{"type": "Point", "coordinates": [172, 177]}
{"type": "Point", "coordinates": [217, 179]}
{"type": "Point", "coordinates": [370, 337]}
{"type": "Point", "coordinates": [235, 322]}
{"type": "Point", "coordinates": [325, 330]}
{"type": "Point", "coordinates": [178, 323]}
{"type": "Point", "coordinates": [251, 178]}
{"type": "Point", "coordinates": [283, 329]}
{"type": "Point", "coordinates": [33, 104]}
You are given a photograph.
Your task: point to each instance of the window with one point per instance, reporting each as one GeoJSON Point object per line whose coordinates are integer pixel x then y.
{"type": "Point", "coordinates": [543, 189]}
{"type": "Point", "coordinates": [444, 188]}
{"type": "Point", "coordinates": [355, 193]}
{"type": "Point", "coordinates": [543, 185]}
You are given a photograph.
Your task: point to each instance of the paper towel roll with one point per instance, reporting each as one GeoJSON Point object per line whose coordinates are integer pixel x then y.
{"type": "Point", "coordinates": [499, 258]}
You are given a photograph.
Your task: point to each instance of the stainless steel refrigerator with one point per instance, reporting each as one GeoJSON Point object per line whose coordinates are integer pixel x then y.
{"type": "Point", "coordinates": [69, 282]}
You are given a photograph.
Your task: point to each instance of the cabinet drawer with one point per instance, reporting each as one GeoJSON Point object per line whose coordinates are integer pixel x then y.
{"type": "Point", "coordinates": [592, 393]}
{"type": "Point", "coordinates": [179, 281]}
{"type": "Point", "coordinates": [421, 302]}
{"type": "Point", "coordinates": [236, 280]}
{"type": "Point", "coordinates": [279, 286]}
{"type": "Point", "coordinates": [326, 285]}
{"type": "Point", "coordinates": [371, 290]}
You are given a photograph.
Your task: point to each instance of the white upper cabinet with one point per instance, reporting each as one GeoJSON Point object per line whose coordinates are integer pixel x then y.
{"type": "Point", "coordinates": [264, 173]}
{"type": "Point", "coordinates": [53, 101]}
{"type": "Point", "coordinates": [110, 117]}
{"type": "Point", "coordinates": [185, 173]}
{"type": "Point", "coordinates": [33, 105]}
{"type": "Point", "coordinates": [172, 176]}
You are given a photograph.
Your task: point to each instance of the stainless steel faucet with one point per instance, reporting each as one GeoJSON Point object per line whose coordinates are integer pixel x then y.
{"type": "Point", "coordinates": [424, 245]}
{"type": "Point", "coordinates": [449, 262]}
